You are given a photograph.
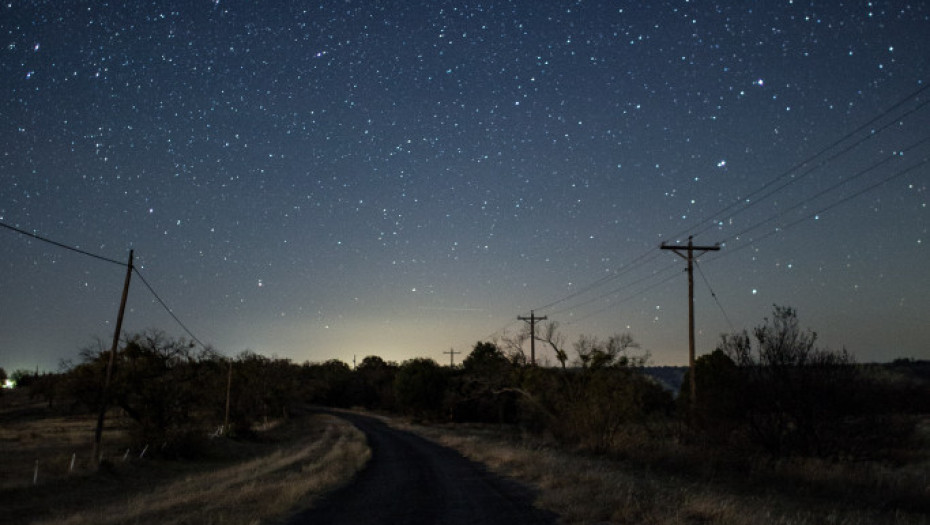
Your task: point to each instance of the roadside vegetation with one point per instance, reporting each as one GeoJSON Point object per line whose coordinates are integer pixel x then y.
{"type": "Point", "coordinates": [780, 431]}
{"type": "Point", "coordinates": [679, 484]}
{"type": "Point", "coordinates": [280, 470]}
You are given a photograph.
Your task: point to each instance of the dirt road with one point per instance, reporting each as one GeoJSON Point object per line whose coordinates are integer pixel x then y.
{"type": "Point", "coordinates": [412, 480]}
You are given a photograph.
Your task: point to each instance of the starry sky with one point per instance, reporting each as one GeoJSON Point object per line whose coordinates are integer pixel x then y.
{"type": "Point", "coordinates": [317, 180]}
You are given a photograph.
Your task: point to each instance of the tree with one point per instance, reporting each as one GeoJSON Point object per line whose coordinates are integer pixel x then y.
{"type": "Point", "coordinates": [555, 340]}
{"type": "Point", "coordinates": [602, 397]}
{"type": "Point", "coordinates": [720, 385]}
{"type": "Point", "coordinates": [158, 382]}
{"type": "Point", "coordinates": [420, 387]}
{"type": "Point", "coordinates": [791, 396]}
{"type": "Point", "coordinates": [22, 378]}
{"type": "Point", "coordinates": [512, 346]}
{"type": "Point", "coordinates": [262, 388]}
{"type": "Point", "coordinates": [155, 383]}
{"type": "Point", "coordinates": [327, 383]}
{"type": "Point", "coordinates": [594, 354]}
{"type": "Point", "coordinates": [482, 390]}
{"type": "Point", "coordinates": [373, 383]}
{"type": "Point", "coordinates": [485, 359]}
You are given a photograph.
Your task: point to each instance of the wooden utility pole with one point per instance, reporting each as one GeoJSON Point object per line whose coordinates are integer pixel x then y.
{"type": "Point", "coordinates": [452, 353]}
{"type": "Point", "coordinates": [228, 395]}
{"type": "Point", "coordinates": [106, 383]}
{"type": "Point", "coordinates": [688, 255]}
{"type": "Point", "coordinates": [532, 320]}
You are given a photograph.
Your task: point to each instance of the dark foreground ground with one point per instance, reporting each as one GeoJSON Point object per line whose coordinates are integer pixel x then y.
{"type": "Point", "coordinates": [415, 481]}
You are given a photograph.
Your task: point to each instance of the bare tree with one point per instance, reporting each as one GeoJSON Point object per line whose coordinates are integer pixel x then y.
{"type": "Point", "coordinates": [556, 341]}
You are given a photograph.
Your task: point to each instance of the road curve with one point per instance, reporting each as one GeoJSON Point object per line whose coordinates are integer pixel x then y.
{"type": "Point", "coordinates": [412, 480]}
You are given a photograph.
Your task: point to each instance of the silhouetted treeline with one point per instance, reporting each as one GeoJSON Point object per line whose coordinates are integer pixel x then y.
{"type": "Point", "coordinates": [773, 392]}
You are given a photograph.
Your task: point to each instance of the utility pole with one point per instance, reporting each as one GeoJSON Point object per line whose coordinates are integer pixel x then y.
{"type": "Point", "coordinates": [452, 353]}
{"type": "Point", "coordinates": [532, 320]}
{"type": "Point", "coordinates": [688, 255]}
{"type": "Point", "coordinates": [228, 395]}
{"type": "Point", "coordinates": [106, 384]}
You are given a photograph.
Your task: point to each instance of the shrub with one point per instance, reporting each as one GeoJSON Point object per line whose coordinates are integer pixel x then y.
{"type": "Point", "coordinates": [791, 397]}
{"type": "Point", "coordinates": [420, 387]}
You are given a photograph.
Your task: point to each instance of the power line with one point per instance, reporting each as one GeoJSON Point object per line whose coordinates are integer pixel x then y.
{"type": "Point", "coordinates": [615, 290]}
{"type": "Point", "coordinates": [167, 309]}
{"type": "Point", "coordinates": [809, 159]}
{"type": "Point", "coordinates": [714, 295]}
{"type": "Point", "coordinates": [109, 260]}
{"type": "Point", "coordinates": [638, 261]}
{"type": "Point", "coordinates": [60, 244]}
{"type": "Point", "coordinates": [628, 297]}
{"type": "Point", "coordinates": [762, 189]}
{"type": "Point", "coordinates": [860, 173]}
{"type": "Point", "coordinates": [818, 166]}
{"type": "Point", "coordinates": [500, 331]}
{"type": "Point", "coordinates": [844, 200]}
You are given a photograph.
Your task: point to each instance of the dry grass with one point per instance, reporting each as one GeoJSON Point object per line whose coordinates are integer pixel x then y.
{"type": "Point", "coordinates": [253, 491]}
{"type": "Point", "coordinates": [251, 483]}
{"type": "Point", "coordinates": [593, 489]}
{"type": "Point", "coordinates": [29, 433]}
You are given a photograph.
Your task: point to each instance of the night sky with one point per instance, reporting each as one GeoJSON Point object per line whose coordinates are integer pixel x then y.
{"type": "Point", "coordinates": [328, 180]}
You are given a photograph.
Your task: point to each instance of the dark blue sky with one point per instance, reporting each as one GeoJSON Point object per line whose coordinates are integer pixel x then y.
{"type": "Point", "coordinates": [323, 180]}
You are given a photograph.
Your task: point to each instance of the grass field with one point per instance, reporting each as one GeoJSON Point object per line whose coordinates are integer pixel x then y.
{"type": "Point", "coordinates": [239, 482]}
{"type": "Point", "coordinates": [676, 485]}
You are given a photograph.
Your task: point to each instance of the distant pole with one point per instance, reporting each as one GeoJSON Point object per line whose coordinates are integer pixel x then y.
{"type": "Point", "coordinates": [452, 353]}
{"type": "Point", "coordinates": [532, 320]}
{"type": "Point", "coordinates": [688, 254]}
{"type": "Point", "coordinates": [106, 383]}
{"type": "Point", "coordinates": [228, 392]}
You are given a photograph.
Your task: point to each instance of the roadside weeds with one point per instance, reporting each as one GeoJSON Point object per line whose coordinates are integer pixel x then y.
{"type": "Point", "coordinates": [587, 489]}
{"type": "Point", "coordinates": [323, 453]}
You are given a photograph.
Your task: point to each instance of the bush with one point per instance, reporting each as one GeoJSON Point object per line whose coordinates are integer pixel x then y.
{"type": "Point", "coordinates": [790, 397]}
{"type": "Point", "coordinates": [594, 403]}
{"type": "Point", "coordinates": [481, 391]}
{"type": "Point", "coordinates": [420, 388]}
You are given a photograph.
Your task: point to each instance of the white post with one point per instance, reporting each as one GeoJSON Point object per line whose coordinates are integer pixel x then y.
{"type": "Point", "coordinates": [35, 474]}
{"type": "Point", "coordinates": [71, 468]}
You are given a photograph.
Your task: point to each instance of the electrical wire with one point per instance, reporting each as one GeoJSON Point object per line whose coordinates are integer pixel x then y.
{"type": "Point", "coordinates": [109, 260]}
{"type": "Point", "coordinates": [615, 290]}
{"type": "Point", "coordinates": [894, 156]}
{"type": "Point", "coordinates": [635, 263]}
{"type": "Point", "coordinates": [625, 299]}
{"type": "Point", "coordinates": [749, 199]}
{"type": "Point", "coordinates": [821, 211]}
{"type": "Point", "coordinates": [60, 244]}
{"type": "Point", "coordinates": [714, 295]}
{"type": "Point", "coordinates": [167, 309]}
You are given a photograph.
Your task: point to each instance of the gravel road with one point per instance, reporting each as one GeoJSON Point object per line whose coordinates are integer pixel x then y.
{"type": "Point", "coordinates": [412, 480]}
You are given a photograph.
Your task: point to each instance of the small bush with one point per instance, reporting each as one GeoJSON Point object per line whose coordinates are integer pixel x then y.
{"type": "Point", "coordinates": [789, 397]}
